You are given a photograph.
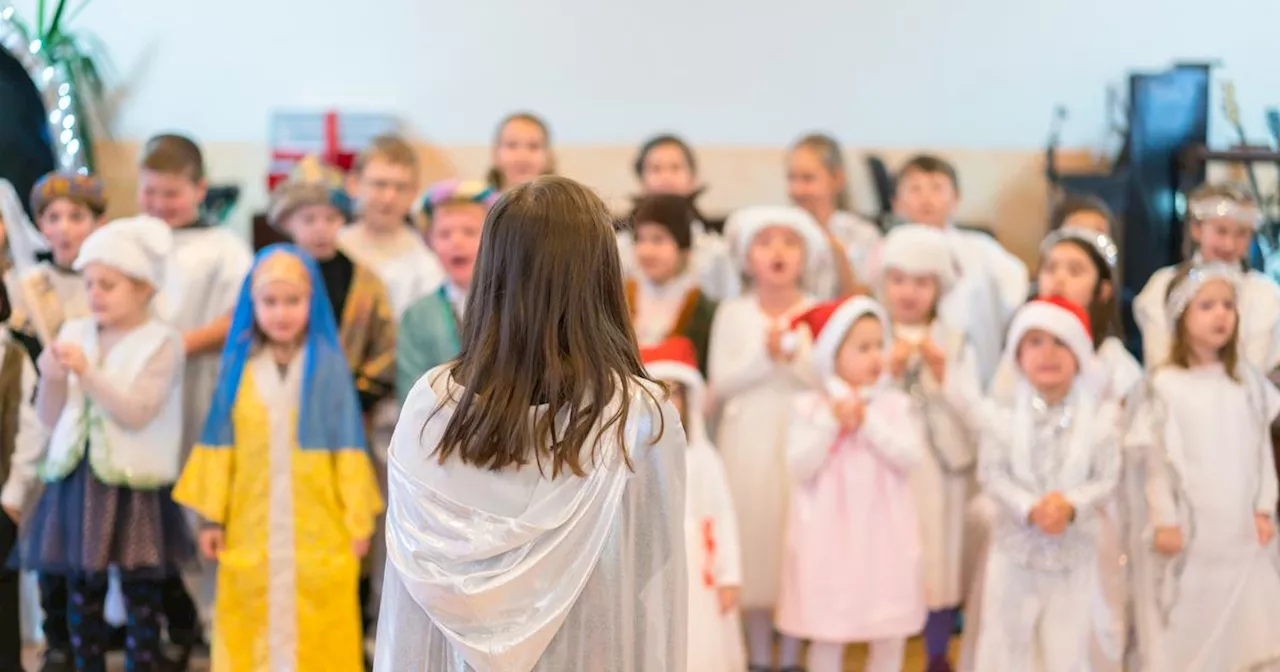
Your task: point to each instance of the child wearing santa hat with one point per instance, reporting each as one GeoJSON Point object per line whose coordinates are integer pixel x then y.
{"type": "Point", "coordinates": [851, 570]}
{"type": "Point", "coordinates": [1206, 588]}
{"type": "Point", "coordinates": [710, 525]}
{"type": "Point", "coordinates": [757, 363]}
{"type": "Point", "coordinates": [1049, 459]}
{"type": "Point", "coordinates": [934, 363]}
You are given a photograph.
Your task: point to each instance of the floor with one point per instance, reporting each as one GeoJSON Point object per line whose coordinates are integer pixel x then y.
{"type": "Point", "coordinates": [853, 661]}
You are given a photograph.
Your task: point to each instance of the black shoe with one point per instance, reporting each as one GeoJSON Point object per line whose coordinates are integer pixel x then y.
{"type": "Point", "coordinates": [57, 660]}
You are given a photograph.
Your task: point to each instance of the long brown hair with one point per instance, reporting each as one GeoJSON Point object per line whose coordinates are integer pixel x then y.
{"type": "Point", "coordinates": [547, 324]}
{"type": "Point", "coordinates": [1180, 352]}
{"type": "Point", "coordinates": [494, 176]}
{"type": "Point", "coordinates": [831, 158]}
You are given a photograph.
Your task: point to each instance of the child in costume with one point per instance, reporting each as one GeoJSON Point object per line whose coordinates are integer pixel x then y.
{"type": "Point", "coordinates": [710, 527]}
{"type": "Point", "coordinates": [666, 165]}
{"type": "Point", "coordinates": [1048, 459]}
{"type": "Point", "coordinates": [521, 151]}
{"type": "Point", "coordinates": [851, 572]}
{"type": "Point", "coordinates": [430, 329]}
{"type": "Point", "coordinates": [817, 182]}
{"type": "Point", "coordinates": [991, 282]}
{"type": "Point", "coordinates": [384, 182]}
{"type": "Point", "coordinates": [934, 363]}
{"type": "Point", "coordinates": [283, 480]}
{"type": "Point", "coordinates": [1208, 598]}
{"type": "Point", "coordinates": [110, 389]}
{"type": "Point", "coordinates": [664, 296]}
{"type": "Point", "coordinates": [757, 363]}
{"type": "Point", "coordinates": [1222, 221]}
{"type": "Point", "coordinates": [22, 440]}
{"type": "Point", "coordinates": [206, 266]}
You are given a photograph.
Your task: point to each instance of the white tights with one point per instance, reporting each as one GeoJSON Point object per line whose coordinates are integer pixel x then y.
{"type": "Point", "coordinates": [884, 655]}
{"type": "Point", "coordinates": [759, 626]}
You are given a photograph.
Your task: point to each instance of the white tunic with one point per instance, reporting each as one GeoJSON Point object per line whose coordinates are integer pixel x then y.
{"type": "Point", "coordinates": [202, 283]}
{"type": "Point", "coordinates": [753, 394]}
{"type": "Point", "coordinates": [1258, 306]}
{"type": "Point", "coordinates": [1210, 468]}
{"type": "Point", "coordinates": [403, 262]}
{"type": "Point", "coordinates": [714, 561]}
{"type": "Point", "coordinates": [992, 284]}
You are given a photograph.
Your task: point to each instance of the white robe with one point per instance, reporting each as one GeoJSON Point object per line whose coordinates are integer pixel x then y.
{"type": "Point", "coordinates": [513, 570]}
{"type": "Point", "coordinates": [1258, 306]}
{"type": "Point", "coordinates": [753, 394]}
{"type": "Point", "coordinates": [714, 561]}
{"type": "Point", "coordinates": [403, 262]}
{"type": "Point", "coordinates": [1209, 469]}
{"type": "Point", "coordinates": [992, 284]}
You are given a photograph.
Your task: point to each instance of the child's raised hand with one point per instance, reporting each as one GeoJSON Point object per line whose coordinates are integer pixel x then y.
{"type": "Point", "coordinates": [1266, 528]}
{"type": "Point", "coordinates": [49, 366]}
{"type": "Point", "coordinates": [71, 357]}
{"type": "Point", "coordinates": [935, 359]}
{"type": "Point", "coordinates": [773, 344]}
{"type": "Point", "coordinates": [361, 546]}
{"type": "Point", "coordinates": [728, 598]}
{"type": "Point", "coordinates": [849, 412]}
{"type": "Point", "coordinates": [898, 358]}
{"type": "Point", "coordinates": [211, 542]}
{"type": "Point", "coordinates": [1168, 541]}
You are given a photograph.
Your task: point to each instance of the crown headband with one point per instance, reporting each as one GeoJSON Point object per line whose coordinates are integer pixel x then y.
{"type": "Point", "coordinates": [1221, 207]}
{"type": "Point", "coordinates": [1100, 242]}
{"type": "Point", "coordinates": [1181, 295]}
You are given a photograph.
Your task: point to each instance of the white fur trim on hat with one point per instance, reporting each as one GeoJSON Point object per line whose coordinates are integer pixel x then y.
{"type": "Point", "coordinates": [827, 344]}
{"type": "Point", "coordinates": [1062, 324]}
{"type": "Point", "coordinates": [919, 249]}
{"type": "Point", "coordinates": [745, 224]}
{"type": "Point", "coordinates": [695, 391]}
{"type": "Point", "coordinates": [136, 246]}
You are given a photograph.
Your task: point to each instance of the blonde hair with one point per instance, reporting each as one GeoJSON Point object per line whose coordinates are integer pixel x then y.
{"type": "Point", "coordinates": [831, 158]}
{"type": "Point", "coordinates": [390, 148]}
{"type": "Point", "coordinates": [1180, 352]}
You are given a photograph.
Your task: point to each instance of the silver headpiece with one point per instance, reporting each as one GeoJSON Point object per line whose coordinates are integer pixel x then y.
{"type": "Point", "coordinates": [1220, 207]}
{"type": "Point", "coordinates": [1181, 295]}
{"type": "Point", "coordinates": [1101, 242]}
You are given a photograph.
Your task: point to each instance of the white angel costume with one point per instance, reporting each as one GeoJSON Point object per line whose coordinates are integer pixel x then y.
{"type": "Point", "coordinates": [513, 570]}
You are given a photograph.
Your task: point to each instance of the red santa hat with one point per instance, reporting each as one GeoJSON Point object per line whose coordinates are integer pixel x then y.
{"type": "Point", "coordinates": [1063, 319]}
{"type": "Point", "coordinates": [829, 323]}
{"type": "Point", "coordinates": [676, 361]}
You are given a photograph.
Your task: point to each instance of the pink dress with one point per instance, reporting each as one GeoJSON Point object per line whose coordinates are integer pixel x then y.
{"type": "Point", "coordinates": [852, 563]}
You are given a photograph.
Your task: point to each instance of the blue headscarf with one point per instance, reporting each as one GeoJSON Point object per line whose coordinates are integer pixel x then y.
{"type": "Point", "coordinates": [329, 416]}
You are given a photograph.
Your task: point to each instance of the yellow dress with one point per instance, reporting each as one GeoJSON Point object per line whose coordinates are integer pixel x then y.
{"type": "Point", "coordinates": [287, 577]}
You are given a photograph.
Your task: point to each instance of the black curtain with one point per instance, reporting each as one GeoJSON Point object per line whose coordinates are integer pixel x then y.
{"type": "Point", "coordinates": [25, 150]}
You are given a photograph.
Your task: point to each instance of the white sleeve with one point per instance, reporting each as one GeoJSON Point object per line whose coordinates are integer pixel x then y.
{"type": "Point", "coordinates": [894, 430]}
{"type": "Point", "coordinates": [736, 361]}
{"type": "Point", "coordinates": [1153, 323]}
{"type": "Point", "coordinates": [29, 444]}
{"type": "Point", "coordinates": [1269, 490]}
{"type": "Point", "coordinates": [1145, 440]}
{"type": "Point", "coordinates": [235, 264]}
{"type": "Point", "coordinates": [1262, 343]}
{"type": "Point", "coordinates": [1104, 470]}
{"type": "Point", "coordinates": [962, 389]}
{"type": "Point", "coordinates": [729, 551]}
{"type": "Point", "coordinates": [995, 473]}
{"type": "Point", "coordinates": [812, 432]}
{"type": "Point", "coordinates": [1010, 275]}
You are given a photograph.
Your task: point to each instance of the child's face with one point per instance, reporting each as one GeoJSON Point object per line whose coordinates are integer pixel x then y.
{"type": "Point", "coordinates": [172, 197]}
{"type": "Point", "coordinates": [115, 298]}
{"type": "Point", "coordinates": [1224, 240]}
{"type": "Point", "coordinates": [657, 253]}
{"type": "Point", "coordinates": [926, 198]}
{"type": "Point", "coordinates": [384, 193]}
{"type": "Point", "coordinates": [910, 297]}
{"type": "Point", "coordinates": [1210, 316]}
{"type": "Point", "coordinates": [1090, 220]}
{"type": "Point", "coordinates": [809, 183]}
{"type": "Point", "coordinates": [315, 229]}
{"type": "Point", "coordinates": [666, 170]}
{"type": "Point", "coordinates": [455, 238]}
{"type": "Point", "coordinates": [1068, 272]}
{"type": "Point", "coordinates": [1046, 361]}
{"type": "Point", "coordinates": [776, 257]}
{"type": "Point", "coordinates": [521, 153]}
{"type": "Point", "coordinates": [65, 224]}
{"type": "Point", "coordinates": [281, 310]}
{"type": "Point", "coordinates": [860, 360]}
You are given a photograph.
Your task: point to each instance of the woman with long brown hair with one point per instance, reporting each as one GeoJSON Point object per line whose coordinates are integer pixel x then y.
{"type": "Point", "coordinates": [537, 481]}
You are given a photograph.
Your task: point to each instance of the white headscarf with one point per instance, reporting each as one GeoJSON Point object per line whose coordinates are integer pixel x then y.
{"type": "Point", "coordinates": [137, 246]}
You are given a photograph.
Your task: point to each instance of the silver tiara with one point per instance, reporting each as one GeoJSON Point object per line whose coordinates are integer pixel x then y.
{"type": "Point", "coordinates": [1220, 207]}
{"type": "Point", "coordinates": [1181, 295]}
{"type": "Point", "coordinates": [1101, 242]}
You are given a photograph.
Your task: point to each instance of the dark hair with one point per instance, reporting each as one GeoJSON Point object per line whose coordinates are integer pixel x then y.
{"type": "Point", "coordinates": [660, 140]}
{"type": "Point", "coordinates": [1074, 204]}
{"type": "Point", "coordinates": [673, 213]}
{"type": "Point", "coordinates": [174, 154]}
{"type": "Point", "coordinates": [547, 324]}
{"type": "Point", "coordinates": [928, 163]}
{"type": "Point", "coordinates": [832, 158]}
{"type": "Point", "coordinates": [494, 176]}
{"type": "Point", "coordinates": [1104, 315]}
{"type": "Point", "coordinates": [1180, 351]}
